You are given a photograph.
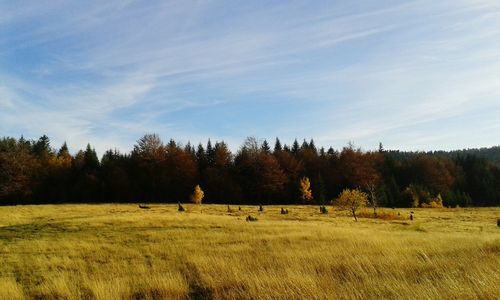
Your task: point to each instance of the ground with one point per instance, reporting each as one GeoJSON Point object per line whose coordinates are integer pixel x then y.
{"type": "Point", "coordinates": [120, 251]}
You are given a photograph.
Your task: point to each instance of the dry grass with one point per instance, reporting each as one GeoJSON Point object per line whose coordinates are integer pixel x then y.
{"type": "Point", "coordinates": [124, 252]}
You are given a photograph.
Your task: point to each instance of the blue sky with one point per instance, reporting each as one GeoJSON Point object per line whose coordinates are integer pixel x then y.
{"type": "Point", "coordinates": [414, 75]}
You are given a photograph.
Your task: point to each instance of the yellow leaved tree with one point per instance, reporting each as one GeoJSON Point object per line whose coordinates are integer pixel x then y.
{"type": "Point", "coordinates": [352, 200]}
{"type": "Point", "coordinates": [305, 190]}
{"type": "Point", "coordinates": [197, 195]}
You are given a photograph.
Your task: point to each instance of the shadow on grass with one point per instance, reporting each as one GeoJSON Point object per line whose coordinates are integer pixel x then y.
{"type": "Point", "coordinates": [33, 231]}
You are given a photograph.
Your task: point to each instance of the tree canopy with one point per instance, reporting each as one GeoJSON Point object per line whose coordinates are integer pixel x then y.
{"type": "Point", "coordinates": [32, 171]}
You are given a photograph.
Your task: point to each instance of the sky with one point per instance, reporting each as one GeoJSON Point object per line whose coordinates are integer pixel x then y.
{"type": "Point", "coordinates": [414, 75]}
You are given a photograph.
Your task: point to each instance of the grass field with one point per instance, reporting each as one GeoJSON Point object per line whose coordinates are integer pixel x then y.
{"type": "Point", "coordinates": [123, 252]}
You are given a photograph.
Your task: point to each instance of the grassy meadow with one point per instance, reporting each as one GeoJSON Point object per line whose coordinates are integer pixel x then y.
{"type": "Point", "coordinates": [119, 251]}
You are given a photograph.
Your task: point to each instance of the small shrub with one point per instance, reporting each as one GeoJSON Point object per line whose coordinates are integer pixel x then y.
{"type": "Point", "coordinates": [197, 195]}
{"type": "Point", "coordinates": [229, 210]}
{"type": "Point", "coordinates": [436, 202]}
{"type": "Point", "coordinates": [261, 208]}
{"type": "Point", "coordinates": [323, 209]}
{"type": "Point", "coordinates": [143, 206]}
{"type": "Point", "coordinates": [181, 208]}
{"type": "Point", "coordinates": [251, 219]}
{"type": "Point", "coordinates": [498, 222]}
{"type": "Point", "coordinates": [284, 211]}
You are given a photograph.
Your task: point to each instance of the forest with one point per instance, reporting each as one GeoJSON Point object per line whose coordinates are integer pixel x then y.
{"type": "Point", "coordinates": [33, 172]}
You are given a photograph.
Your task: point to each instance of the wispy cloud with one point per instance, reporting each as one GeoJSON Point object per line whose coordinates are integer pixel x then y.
{"type": "Point", "coordinates": [106, 73]}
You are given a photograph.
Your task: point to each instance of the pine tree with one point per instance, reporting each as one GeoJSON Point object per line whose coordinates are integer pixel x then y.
{"type": "Point", "coordinates": [63, 150]}
{"type": "Point", "coordinates": [295, 147]}
{"type": "Point", "coordinates": [304, 145]}
{"type": "Point", "coordinates": [210, 153]}
{"type": "Point", "coordinates": [380, 148]}
{"type": "Point", "coordinates": [42, 146]}
{"type": "Point", "coordinates": [91, 161]}
{"type": "Point", "coordinates": [312, 146]}
{"type": "Point", "coordinates": [277, 146]}
{"type": "Point", "coordinates": [265, 147]}
{"type": "Point", "coordinates": [322, 152]}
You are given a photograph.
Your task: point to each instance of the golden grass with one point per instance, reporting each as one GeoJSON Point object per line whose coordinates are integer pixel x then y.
{"type": "Point", "coordinates": [119, 251]}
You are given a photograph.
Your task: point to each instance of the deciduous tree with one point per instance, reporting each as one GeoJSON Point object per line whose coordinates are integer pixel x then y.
{"type": "Point", "coordinates": [352, 200]}
{"type": "Point", "coordinates": [305, 190]}
{"type": "Point", "coordinates": [197, 195]}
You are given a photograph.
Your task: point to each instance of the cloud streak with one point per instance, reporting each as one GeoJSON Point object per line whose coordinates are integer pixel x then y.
{"type": "Point", "coordinates": [108, 73]}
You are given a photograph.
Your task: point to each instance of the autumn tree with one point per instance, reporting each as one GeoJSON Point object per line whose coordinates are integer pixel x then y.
{"type": "Point", "coordinates": [292, 169]}
{"type": "Point", "coordinates": [217, 179]}
{"type": "Point", "coordinates": [352, 200]}
{"type": "Point", "coordinates": [147, 159]}
{"type": "Point", "coordinates": [17, 166]}
{"type": "Point", "coordinates": [305, 190]}
{"type": "Point", "coordinates": [258, 173]}
{"type": "Point", "coordinates": [197, 195]}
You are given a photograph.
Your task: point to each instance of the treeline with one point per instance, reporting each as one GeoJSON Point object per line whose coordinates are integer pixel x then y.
{"type": "Point", "coordinates": [34, 172]}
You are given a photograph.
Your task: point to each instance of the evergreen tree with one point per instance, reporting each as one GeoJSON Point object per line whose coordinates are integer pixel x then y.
{"type": "Point", "coordinates": [295, 147]}
{"type": "Point", "coordinates": [277, 146]}
{"type": "Point", "coordinates": [265, 147]}
{"type": "Point", "coordinates": [91, 161]}
{"type": "Point", "coordinates": [210, 153]}
{"type": "Point", "coordinates": [304, 145]}
{"type": "Point", "coordinates": [42, 146]}
{"type": "Point", "coordinates": [312, 146]}
{"type": "Point", "coordinates": [63, 150]}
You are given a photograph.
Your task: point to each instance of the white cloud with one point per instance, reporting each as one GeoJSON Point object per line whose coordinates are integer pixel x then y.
{"type": "Point", "coordinates": [364, 71]}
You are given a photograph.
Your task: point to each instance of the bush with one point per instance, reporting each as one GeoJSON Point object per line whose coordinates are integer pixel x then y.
{"type": "Point", "coordinates": [197, 195]}
{"type": "Point", "coordinates": [434, 203]}
{"type": "Point", "coordinates": [388, 216]}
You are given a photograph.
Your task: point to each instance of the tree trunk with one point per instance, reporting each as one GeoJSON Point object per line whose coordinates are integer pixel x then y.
{"type": "Point", "coordinates": [354, 214]}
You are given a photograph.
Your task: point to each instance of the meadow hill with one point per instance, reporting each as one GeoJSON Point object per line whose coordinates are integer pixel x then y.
{"type": "Point", "coordinates": [259, 173]}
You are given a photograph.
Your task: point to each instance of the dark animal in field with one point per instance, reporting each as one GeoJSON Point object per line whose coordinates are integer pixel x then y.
{"type": "Point", "coordinates": [229, 209]}
{"type": "Point", "coordinates": [181, 208]}
{"type": "Point", "coordinates": [251, 219]}
{"type": "Point", "coordinates": [239, 207]}
{"type": "Point", "coordinates": [142, 206]}
{"type": "Point", "coordinates": [261, 208]}
{"type": "Point", "coordinates": [284, 211]}
{"type": "Point", "coordinates": [498, 222]}
{"type": "Point", "coordinates": [323, 210]}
